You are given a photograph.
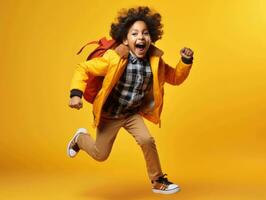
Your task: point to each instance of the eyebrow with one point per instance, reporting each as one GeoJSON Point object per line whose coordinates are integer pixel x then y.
{"type": "Point", "coordinates": [138, 30]}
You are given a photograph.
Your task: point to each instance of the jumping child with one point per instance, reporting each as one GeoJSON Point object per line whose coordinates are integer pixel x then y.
{"type": "Point", "coordinates": [133, 87]}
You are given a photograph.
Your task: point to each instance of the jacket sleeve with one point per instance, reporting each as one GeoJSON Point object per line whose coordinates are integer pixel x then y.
{"type": "Point", "coordinates": [177, 75]}
{"type": "Point", "coordinates": [96, 66]}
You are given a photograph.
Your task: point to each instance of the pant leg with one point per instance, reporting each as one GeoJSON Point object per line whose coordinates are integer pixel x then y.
{"type": "Point", "coordinates": [136, 127]}
{"type": "Point", "coordinates": [106, 133]}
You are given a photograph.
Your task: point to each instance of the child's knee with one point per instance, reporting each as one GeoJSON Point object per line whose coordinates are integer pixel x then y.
{"type": "Point", "coordinates": [101, 157]}
{"type": "Point", "coordinates": [148, 140]}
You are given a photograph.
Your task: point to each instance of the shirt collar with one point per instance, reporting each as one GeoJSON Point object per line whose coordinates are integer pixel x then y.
{"type": "Point", "coordinates": [134, 60]}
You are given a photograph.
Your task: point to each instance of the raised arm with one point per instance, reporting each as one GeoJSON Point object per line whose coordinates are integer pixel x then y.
{"type": "Point", "coordinates": [177, 75]}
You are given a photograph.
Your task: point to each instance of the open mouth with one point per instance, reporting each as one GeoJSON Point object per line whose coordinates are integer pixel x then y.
{"type": "Point", "coordinates": [140, 46]}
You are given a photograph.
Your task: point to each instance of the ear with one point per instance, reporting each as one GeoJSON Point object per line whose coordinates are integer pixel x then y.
{"type": "Point", "coordinates": [125, 42]}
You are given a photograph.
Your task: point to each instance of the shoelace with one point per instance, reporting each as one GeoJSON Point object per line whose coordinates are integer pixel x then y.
{"type": "Point", "coordinates": [164, 180]}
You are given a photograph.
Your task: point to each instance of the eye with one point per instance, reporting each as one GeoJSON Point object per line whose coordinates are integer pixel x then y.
{"type": "Point", "coordinates": [146, 33]}
{"type": "Point", "coordinates": [134, 34]}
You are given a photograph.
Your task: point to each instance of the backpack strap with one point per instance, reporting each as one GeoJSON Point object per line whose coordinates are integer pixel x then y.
{"type": "Point", "coordinates": [99, 42]}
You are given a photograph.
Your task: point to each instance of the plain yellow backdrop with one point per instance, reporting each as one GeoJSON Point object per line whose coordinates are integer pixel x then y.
{"type": "Point", "coordinates": [213, 125]}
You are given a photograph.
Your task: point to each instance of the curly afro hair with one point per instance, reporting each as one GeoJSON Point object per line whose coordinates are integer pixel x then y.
{"type": "Point", "coordinates": [126, 18]}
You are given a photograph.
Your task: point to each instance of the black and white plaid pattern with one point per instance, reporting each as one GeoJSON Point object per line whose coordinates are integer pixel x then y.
{"type": "Point", "coordinates": [128, 93]}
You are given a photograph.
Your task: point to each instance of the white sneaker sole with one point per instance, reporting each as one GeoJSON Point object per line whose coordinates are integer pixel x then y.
{"type": "Point", "coordinates": [79, 131]}
{"type": "Point", "coordinates": [172, 191]}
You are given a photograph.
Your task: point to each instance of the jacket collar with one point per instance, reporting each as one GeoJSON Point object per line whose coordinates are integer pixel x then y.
{"type": "Point", "coordinates": [123, 51]}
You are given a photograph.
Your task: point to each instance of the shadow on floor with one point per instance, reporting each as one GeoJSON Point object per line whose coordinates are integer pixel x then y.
{"type": "Point", "coordinates": [189, 191]}
{"type": "Point", "coordinates": [123, 191]}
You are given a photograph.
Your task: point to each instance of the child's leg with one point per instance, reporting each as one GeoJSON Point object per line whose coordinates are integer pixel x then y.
{"type": "Point", "coordinates": [136, 126]}
{"type": "Point", "coordinates": [105, 136]}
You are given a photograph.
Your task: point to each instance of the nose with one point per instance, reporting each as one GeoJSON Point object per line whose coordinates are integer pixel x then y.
{"type": "Point", "coordinates": [141, 36]}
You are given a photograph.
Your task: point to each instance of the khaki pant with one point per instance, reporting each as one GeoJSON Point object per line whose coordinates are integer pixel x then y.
{"type": "Point", "coordinates": [105, 137]}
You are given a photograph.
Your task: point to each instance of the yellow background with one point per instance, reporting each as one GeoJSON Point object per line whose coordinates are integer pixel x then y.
{"type": "Point", "coordinates": [212, 140]}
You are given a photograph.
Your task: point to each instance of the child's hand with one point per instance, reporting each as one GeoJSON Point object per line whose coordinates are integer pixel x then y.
{"type": "Point", "coordinates": [75, 102]}
{"type": "Point", "coordinates": [186, 53]}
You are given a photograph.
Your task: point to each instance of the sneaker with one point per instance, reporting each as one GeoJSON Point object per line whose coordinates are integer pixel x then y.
{"type": "Point", "coordinates": [72, 147]}
{"type": "Point", "coordinates": [163, 186]}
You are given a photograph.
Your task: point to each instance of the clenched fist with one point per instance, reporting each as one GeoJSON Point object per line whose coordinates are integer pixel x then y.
{"type": "Point", "coordinates": [75, 102]}
{"type": "Point", "coordinates": [186, 53]}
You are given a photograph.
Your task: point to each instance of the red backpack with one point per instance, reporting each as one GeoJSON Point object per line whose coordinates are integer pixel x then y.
{"type": "Point", "coordinates": [94, 83]}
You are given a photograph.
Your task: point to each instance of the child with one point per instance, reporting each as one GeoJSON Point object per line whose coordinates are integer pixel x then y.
{"type": "Point", "coordinates": [134, 76]}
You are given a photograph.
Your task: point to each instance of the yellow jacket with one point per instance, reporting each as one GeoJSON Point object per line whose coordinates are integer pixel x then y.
{"type": "Point", "coordinates": [112, 64]}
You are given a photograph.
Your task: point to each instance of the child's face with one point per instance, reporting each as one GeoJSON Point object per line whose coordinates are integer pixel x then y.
{"type": "Point", "coordinates": [138, 39]}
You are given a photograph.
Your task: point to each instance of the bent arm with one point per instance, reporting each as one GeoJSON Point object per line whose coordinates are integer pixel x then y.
{"type": "Point", "coordinates": [177, 75]}
{"type": "Point", "coordinates": [97, 67]}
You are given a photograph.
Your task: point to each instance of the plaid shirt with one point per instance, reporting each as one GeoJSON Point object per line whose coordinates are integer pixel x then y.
{"type": "Point", "coordinates": [128, 93]}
